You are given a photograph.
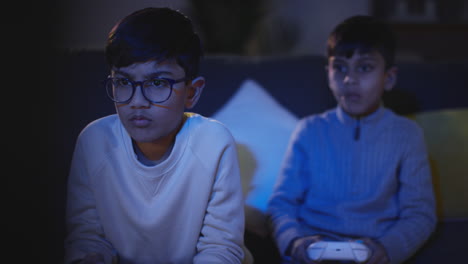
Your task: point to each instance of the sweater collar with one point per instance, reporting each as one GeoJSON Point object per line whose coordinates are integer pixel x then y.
{"type": "Point", "coordinates": [347, 119]}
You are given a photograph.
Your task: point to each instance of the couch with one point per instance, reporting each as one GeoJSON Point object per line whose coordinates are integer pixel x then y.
{"type": "Point", "coordinates": [260, 99]}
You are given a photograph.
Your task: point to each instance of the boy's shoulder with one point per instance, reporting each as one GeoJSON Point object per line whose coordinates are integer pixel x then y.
{"type": "Point", "coordinates": [401, 121]}
{"type": "Point", "coordinates": [100, 125]}
{"type": "Point", "coordinates": [404, 125]}
{"type": "Point", "coordinates": [99, 136]}
{"type": "Point", "coordinates": [322, 118]}
{"type": "Point", "coordinates": [207, 137]}
{"type": "Point", "coordinates": [201, 126]}
{"type": "Point", "coordinates": [315, 123]}
{"type": "Point", "coordinates": [101, 130]}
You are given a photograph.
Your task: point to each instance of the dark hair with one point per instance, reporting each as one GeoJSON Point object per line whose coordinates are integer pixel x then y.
{"type": "Point", "coordinates": [363, 34]}
{"type": "Point", "coordinates": [154, 34]}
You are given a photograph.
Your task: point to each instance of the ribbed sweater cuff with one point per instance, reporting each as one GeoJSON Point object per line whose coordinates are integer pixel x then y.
{"type": "Point", "coordinates": [395, 251]}
{"type": "Point", "coordinates": [285, 238]}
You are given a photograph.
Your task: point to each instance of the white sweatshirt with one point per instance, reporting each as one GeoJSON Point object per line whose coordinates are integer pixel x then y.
{"type": "Point", "coordinates": [187, 209]}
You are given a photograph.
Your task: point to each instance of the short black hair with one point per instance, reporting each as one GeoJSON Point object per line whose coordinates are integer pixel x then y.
{"type": "Point", "coordinates": [154, 34]}
{"type": "Point", "coordinates": [362, 33]}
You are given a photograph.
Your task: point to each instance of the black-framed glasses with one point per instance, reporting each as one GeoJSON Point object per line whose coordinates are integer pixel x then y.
{"type": "Point", "coordinates": [156, 90]}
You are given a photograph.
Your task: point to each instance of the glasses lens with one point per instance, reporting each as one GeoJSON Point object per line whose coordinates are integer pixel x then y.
{"type": "Point", "coordinates": [119, 90]}
{"type": "Point", "coordinates": [157, 90]}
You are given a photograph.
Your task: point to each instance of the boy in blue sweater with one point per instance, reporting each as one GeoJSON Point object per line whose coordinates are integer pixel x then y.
{"type": "Point", "coordinates": [358, 171]}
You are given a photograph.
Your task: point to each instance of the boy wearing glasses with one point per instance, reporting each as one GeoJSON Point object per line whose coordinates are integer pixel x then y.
{"type": "Point", "coordinates": [357, 172]}
{"type": "Point", "coordinates": [154, 184]}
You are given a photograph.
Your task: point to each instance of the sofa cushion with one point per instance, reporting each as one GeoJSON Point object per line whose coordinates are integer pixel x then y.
{"type": "Point", "coordinates": [296, 82]}
{"type": "Point", "coordinates": [446, 134]}
{"type": "Point", "coordinates": [261, 128]}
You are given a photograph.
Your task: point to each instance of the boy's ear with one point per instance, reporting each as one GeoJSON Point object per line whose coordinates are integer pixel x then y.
{"type": "Point", "coordinates": [326, 68]}
{"type": "Point", "coordinates": [390, 78]}
{"type": "Point", "coordinates": [194, 91]}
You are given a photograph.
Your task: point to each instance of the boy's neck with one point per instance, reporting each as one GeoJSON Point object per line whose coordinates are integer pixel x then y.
{"type": "Point", "coordinates": [363, 115]}
{"type": "Point", "coordinates": [156, 150]}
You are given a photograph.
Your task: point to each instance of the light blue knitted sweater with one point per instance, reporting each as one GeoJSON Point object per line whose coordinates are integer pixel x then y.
{"type": "Point", "coordinates": [354, 178]}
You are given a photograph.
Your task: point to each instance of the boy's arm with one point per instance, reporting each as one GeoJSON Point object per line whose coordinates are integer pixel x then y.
{"type": "Point", "coordinates": [288, 194]}
{"type": "Point", "coordinates": [84, 232]}
{"type": "Point", "coordinates": [222, 234]}
{"type": "Point", "coordinates": [417, 206]}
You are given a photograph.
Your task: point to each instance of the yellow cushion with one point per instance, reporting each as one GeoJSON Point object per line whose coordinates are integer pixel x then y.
{"type": "Point", "coordinates": [446, 134]}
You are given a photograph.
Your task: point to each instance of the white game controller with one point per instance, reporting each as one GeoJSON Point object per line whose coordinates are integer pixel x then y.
{"type": "Point", "coordinates": [328, 250]}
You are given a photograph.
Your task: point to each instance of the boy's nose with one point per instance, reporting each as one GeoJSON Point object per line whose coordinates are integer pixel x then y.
{"type": "Point", "coordinates": [350, 78]}
{"type": "Point", "coordinates": [138, 100]}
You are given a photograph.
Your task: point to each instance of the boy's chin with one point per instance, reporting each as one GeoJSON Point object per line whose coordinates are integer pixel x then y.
{"type": "Point", "coordinates": [359, 110]}
{"type": "Point", "coordinates": [142, 137]}
{"type": "Point", "coordinates": [351, 110]}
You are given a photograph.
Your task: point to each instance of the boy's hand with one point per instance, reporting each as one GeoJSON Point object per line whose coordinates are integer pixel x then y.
{"type": "Point", "coordinates": [378, 252]}
{"type": "Point", "coordinates": [299, 250]}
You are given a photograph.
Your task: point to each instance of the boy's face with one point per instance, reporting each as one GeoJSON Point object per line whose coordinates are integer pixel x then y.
{"type": "Point", "coordinates": [149, 122]}
{"type": "Point", "coordinates": [358, 82]}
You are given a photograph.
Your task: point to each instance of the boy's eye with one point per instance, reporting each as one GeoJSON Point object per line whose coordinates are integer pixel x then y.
{"type": "Point", "coordinates": [340, 68]}
{"type": "Point", "coordinates": [123, 82]}
{"type": "Point", "coordinates": [365, 68]}
{"type": "Point", "coordinates": [157, 83]}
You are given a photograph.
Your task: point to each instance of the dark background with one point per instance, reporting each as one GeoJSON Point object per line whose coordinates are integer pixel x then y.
{"type": "Point", "coordinates": [27, 36]}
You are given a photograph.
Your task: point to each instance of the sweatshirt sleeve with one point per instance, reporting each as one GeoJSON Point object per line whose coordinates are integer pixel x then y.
{"type": "Point", "coordinates": [417, 217]}
{"type": "Point", "coordinates": [222, 233]}
{"type": "Point", "coordinates": [289, 192]}
{"type": "Point", "coordinates": [84, 232]}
